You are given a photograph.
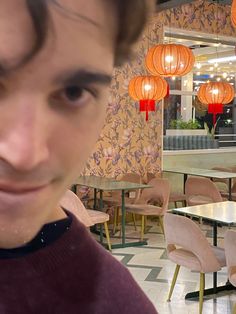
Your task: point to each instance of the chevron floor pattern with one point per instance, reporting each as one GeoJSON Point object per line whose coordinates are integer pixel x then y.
{"type": "Point", "coordinates": [153, 271]}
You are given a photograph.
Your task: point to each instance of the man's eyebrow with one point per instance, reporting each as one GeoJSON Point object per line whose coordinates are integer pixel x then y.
{"type": "Point", "coordinates": [83, 77]}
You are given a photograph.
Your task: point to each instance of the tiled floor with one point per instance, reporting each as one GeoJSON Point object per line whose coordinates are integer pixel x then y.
{"type": "Point", "coordinates": [153, 271]}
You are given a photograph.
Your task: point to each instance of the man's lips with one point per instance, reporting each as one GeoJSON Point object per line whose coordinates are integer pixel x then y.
{"type": "Point", "coordinates": [20, 188]}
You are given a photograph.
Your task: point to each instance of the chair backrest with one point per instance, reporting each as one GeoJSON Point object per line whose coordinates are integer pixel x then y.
{"type": "Point", "coordinates": [184, 233]}
{"type": "Point", "coordinates": [131, 177]}
{"type": "Point", "coordinates": [234, 187]}
{"type": "Point", "coordinates": [202, 186]}
{"type": "Point", "coordinates": [230, 253]}
{"type": "Point", "coordinates": [160, 191]}
{"type": "Point", "coordinates": [149, 177]}
{"type": "Point", "coordinates": [73, 204]}
{"type": "Point", "coordinates": [224, 169]}
{"type": "Point", "coordinates": [233, 169]}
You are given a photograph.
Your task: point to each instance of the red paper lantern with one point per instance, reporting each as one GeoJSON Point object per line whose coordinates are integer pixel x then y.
{"type": "Point", "coordinates": [147, 90]}
{"type": "Point", "coordinates": [170, 60]}
{"type": "Point", "coordinates": [215, 95]}
{"type": "Point", "coordinates": [233, 13]}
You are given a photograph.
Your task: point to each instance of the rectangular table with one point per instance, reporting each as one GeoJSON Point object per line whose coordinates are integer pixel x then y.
{"type": "Point", "coordinates": [208, 173]}
{"type": "Point", "coordinates": [223, 212]}
{"type": "Point", "coordinates": [107, 184]}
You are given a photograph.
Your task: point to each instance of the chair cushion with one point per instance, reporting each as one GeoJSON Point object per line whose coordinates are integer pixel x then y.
{"type": "Point", "coordinates": [116, 201]}
{"type": "Point", "coordinates": [144, 209]}
{"type": "Point", "coordinates": [232, 275]}
{"type": "Point", "coordinates": [187, 259]}
{"type": "Point", "coordinates": [199, 200]}
{"type": "Point", "coordinates": [97, 216]}
{"type": "Point", "coordinates": [226, 196]}
{"type": "Point", "coordinates": [177, 197]}
{"type": "Point", "coordinates": [220, 255]}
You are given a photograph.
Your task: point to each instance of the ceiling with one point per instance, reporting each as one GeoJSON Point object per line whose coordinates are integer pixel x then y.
{"type": "Point", "coordinates": [203, 47]}
{"type": "Point", "coordinates": [167, 4]}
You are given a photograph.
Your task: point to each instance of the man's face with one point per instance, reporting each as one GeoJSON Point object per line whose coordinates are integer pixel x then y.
{"type": "Point", "coordinates": [51, 109]}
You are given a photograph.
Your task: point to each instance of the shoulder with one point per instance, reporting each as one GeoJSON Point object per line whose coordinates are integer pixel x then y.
{"type": "Point", "coordinates": [109, 280]}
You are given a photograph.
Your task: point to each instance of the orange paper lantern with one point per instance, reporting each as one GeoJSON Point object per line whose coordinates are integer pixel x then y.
{"type": "Point", "coordinates": [147, 90]}
{"type": "Point", "coordinates": [233, 13]}
{"type": "Point", "coordinates": [170, 60]}
{"type": "Point", "coordinates": [215, 95]}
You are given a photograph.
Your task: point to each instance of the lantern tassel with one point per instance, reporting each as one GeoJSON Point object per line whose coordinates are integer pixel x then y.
{"type": "Point", "coordinates": [214, 119]}
{"type": "Point", "coordinates": [146, 106]}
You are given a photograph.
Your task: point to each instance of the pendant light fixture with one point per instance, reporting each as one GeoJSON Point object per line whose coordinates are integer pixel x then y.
{"type": "Point", "coordinates": [215, 95]}
{"type": "Point", "coordinates": [147, 90]}
{"type": "Point", "coordinates": [170, 60]}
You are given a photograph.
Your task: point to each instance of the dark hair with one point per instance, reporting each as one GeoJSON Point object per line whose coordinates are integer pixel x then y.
{"type": "Point", "coordinates": [132, 16]}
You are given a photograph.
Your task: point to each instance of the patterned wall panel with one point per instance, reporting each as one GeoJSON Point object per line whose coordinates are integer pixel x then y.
{"type": "Point", "coordinates": [127, 143]}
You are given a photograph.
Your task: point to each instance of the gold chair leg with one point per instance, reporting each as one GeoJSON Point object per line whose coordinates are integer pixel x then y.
{"type": "Point", "coordinates": [142, 227]}
{"type": "Point", "coordinates": [134, 221]}
{"type": "Point", "coordinates": [114, 221]}
{"type": "Point", "coordinates": [173, 282]}
{"type": "Point", "coordinates": [161, 224]}
{"type": "Point", "coordinates": [201, 291]}
{"type": "Point", "coordinates": [145, 224]}
{"type": "Point", "coordinates": [234, 309]}
{"type": "Point", "coordinates": [107, 236]}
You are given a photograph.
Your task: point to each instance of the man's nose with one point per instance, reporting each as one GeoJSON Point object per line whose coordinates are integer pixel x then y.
{"type": "Point", "coordinates": [23, 136]}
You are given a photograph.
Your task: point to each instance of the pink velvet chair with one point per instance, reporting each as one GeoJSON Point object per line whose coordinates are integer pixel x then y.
{"type": "Point", "coordinates": [114, 200]}
{"type": "Point", "coordinates": [89, 217]}
{"type": "Point", "coordinates": [188, 247]}
{"type": "Point", "coordinates": [233, 193]}
{"type": "Point", "coordinates": [201, 191]}
{"type": "Point", "coordinates": [230, 252]}
{"type": "Point", "coordinates": [73, 204]}
{"type": "Point", "coordinates": [175, 197]}
{"type": "Point", "coordinates": [159, 192]}
{"type": "Point", "coordinates": [222, 184]}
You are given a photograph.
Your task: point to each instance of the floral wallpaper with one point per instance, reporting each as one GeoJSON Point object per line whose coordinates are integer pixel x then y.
{"type": "Point", "coordinates": [127, 142]}
{"type": "Point", "coordinates": [201, 15]}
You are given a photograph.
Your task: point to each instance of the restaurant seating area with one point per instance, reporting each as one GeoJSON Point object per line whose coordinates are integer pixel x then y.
{"type": "Point", "coordinates": [159, 190]}
{"type": "Point", "coordinates": [166, 247]}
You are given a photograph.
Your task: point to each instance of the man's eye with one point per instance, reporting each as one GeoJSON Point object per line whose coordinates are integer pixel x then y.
{"type": "Point", "coordinates": [73, 93]}
{"type": "Point", "coordinates": [74, 96]}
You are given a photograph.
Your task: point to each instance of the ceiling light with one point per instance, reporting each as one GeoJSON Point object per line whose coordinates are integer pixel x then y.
{"type": "Point", "coordinates": [218, 79]}
{"type": "Point", "coordinates": [222, 60]}
{"type": "Point", "coordinates": [225, 75]}
{"type": "Point", "coordinates": [198, 65]}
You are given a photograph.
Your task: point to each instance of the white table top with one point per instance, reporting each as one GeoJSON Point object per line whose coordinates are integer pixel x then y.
{"type": "Point", "coordinates": [208, 173]}
{"type": "Point", "coordinates": [224, 212]}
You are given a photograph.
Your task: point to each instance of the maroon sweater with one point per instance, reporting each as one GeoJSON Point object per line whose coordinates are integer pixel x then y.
{"type": "Point", "coordinates": [73, 275]}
